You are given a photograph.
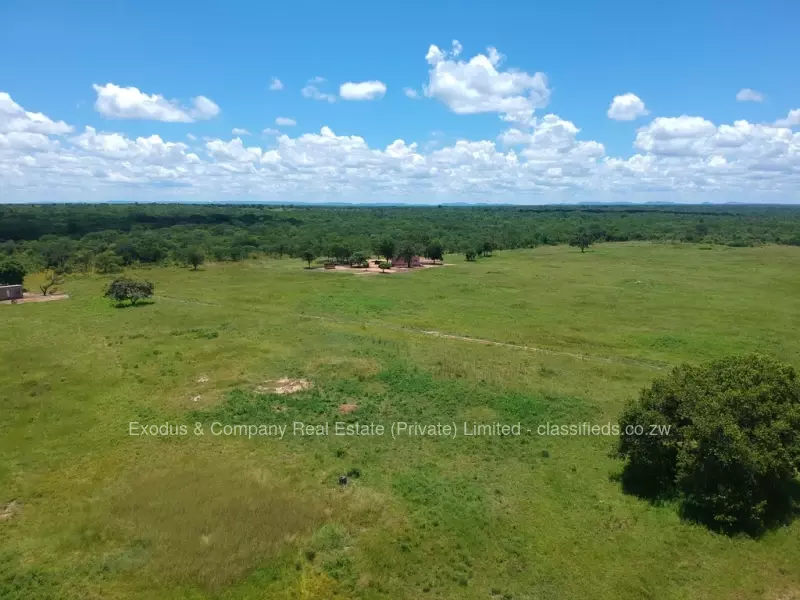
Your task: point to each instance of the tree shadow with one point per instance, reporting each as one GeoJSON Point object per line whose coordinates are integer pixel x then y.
{"type": "Point", "coordinates": [646, 484]}
{"type": "Point", "coordinates": [640, 481]}
{"type": "Point", "coordinates": [783, 508]}
{"type": "Point", "coordinates": [138, 304]}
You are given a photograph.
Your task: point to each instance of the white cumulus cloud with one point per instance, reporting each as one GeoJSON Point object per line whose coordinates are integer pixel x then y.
{"type": "Point", "coordinates": [676, 136]}
{"type": "Point", "coordinates": [203, 109]}
{"type": "Point", "coordinates": [285, 122]}
{"type": "Point", "coordinates": [276, 85]}
{"type": "Point", "coordinates": [15, 118]}
{"type": "Point", "coordinates": [115, 102]}
{"type": "Point", "coordinates": [479, 86]}
{"type": "Point", "coordinates": [791, 120]}
{"type": "Point", "coordinates": [544, 160]}
{"type": "Point", "coordinates": [748, 95]}
{"type": "Point", "coordinates": [312, 91]}
{"type": "Point", "coordinates": [626, 107]}
{"type": "Point", "coordinates": [365, 90]}
{"type": "Point", "coordinates": [239, 131]}
{"type": "Point", "coordinates": [411, 93]}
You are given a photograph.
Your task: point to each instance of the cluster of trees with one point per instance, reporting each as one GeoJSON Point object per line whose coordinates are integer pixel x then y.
{"type": "Point", "coordinates": [723, 439]}
{"type": "Point", "coordinates": [386, 247]}
{"type": "Point", "coordinates": [107, 237]}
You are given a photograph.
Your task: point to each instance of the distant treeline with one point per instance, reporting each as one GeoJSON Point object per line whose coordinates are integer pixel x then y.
{"type": "Point", "coordinates": [106, 236]}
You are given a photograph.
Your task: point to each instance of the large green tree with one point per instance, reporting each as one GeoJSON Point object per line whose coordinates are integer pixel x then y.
{"type": "Point", "coordinates": [582, 240]}
{"type": "Point", "coordinates": [407, 252]}
{"type": "Point", "coordinates": [434, 251]}
{"type": "Point", "coordinates": [125, 289]}
{"type": "Point", "coordinates": [386, 248]}
{"type": "Point", "coordinates": [309, 256]}
{"type": "Point", "coordinates": [723, 438]}
{"type": "Point", "coordinates": [195, 257]}
{"type": "Point", "coordinates": [12, 272]}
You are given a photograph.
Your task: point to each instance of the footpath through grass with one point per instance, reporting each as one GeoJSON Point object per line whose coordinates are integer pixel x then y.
{"type": "Point", "coordinates": [103, 514]}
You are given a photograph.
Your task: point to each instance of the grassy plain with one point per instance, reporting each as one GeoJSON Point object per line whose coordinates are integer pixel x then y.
{"type": "Point", "coordinates": [102, 514]}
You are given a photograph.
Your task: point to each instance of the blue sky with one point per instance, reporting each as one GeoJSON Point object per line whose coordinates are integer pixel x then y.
{"type": "Point", "coordinates": [131, 71]}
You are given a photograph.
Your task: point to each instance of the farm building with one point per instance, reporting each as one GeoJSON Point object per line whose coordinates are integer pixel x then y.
{"type": "Point", "coordinates": [10, 292]}
{"type": "Point", "coordinates": [399, 261]}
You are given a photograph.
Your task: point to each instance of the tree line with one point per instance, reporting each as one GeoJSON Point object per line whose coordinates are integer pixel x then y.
{"type": "Point", "coordinates": [108, 237]}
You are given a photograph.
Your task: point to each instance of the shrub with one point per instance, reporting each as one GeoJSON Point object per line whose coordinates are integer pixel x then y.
{"type": "Point", "coordinates": [733, 449]}
{"type": "Point", "coordinates": [470, 255]}
{"type": "Point", "coordinates": [124, 289]}
{"type": "Point", "coordinates": [384, 265]}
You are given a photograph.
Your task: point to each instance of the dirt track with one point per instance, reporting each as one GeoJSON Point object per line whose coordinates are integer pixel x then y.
{"type": "Point", "coordinates": [430, 332]}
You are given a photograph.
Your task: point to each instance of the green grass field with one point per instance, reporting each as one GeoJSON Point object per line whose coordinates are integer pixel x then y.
{"type": "Point", "coordinates": [101, 514]}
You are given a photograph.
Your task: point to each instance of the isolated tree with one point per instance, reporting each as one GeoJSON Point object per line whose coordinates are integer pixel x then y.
{"type": "Point", "coordinates": [195, 257]}
{"type": "Point", "coordinates": [108, 262]}
{"type": "Point", "coordinates": [359, 259]}
{"type": "Point", "coordinates": [51, 280]}
{"type": "Point", "coordinates": [470, 255]}
{"type": "Point", "coordinates": [407, 252]}
{"type": "Point", "coordinates": [124, 289]}
{"type": "Point", "coordinates": [582, 240]}
{"type": "Point", "coordinates": [309, 256]}
{"type": "Point", "coordinates": [486, 248]}
{"type": "Point", "coordinates": [434, 251]}
{"type": "Point", "coordinates": [732, 449]}
{"type": "Point", "coordinates": [384, 265]}
{"type": "Point", "coordinates": [12, 272]}
{"type": "Point", "coordinates": [386, 248]}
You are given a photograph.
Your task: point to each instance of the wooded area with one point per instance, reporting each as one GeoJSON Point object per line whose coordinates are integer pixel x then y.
{"type": "Point", "coordinates": [108, 236]}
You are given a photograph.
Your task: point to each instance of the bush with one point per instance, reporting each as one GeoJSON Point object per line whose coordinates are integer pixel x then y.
{"type": "Point", "coordinates": [123, 289]}
{"type": "Point", "coordinates": [732, 452]}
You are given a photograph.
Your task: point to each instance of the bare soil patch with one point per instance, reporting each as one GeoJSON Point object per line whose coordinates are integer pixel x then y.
{"type": "Point", "coordinates": [284, 386]}
{"type": "Point", "coordinates": [10, 510]}
{"type": "Point", "coordinates": [373, 269]}
{"type": "Point", "coordinates": [347, 408]}
{"type": "Point", "coordinates": [26, 298]}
